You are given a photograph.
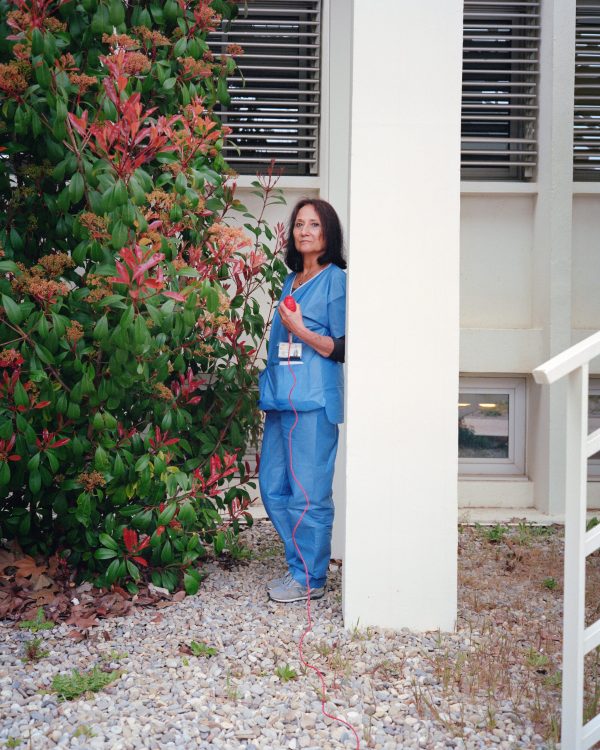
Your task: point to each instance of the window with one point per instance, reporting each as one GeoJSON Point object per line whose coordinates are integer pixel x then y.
{"type": "Point", "coordinates": [499, 90]}
{"type": "Point", "coordinates": [491, 426]}
{"type": "Point", "coordinates": [586, 135]}
{"type": "Point", "coordinates": [275, 96]}
{"type": "Point", "coordinates": [594, 424]}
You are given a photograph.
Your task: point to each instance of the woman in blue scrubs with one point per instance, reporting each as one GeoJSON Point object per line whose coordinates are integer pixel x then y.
{"type": "Point", "coordinates": [317, 329]}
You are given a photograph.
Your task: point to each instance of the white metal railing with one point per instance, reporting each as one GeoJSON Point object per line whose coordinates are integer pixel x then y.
{"type": "Point", "coordinates": [578, 640]}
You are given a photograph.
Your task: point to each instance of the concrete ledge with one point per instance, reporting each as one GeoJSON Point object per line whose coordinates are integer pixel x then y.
{"type": "Point", "coordinates": [500, 350]}
{"type": "Point", "coordinates": [495, 493]}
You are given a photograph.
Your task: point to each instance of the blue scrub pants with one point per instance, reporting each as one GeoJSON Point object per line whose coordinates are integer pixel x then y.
{"type": "Point", "coordinates": [314, 446]}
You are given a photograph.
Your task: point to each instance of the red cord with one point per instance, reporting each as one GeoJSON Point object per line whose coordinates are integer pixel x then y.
{"type": "Point", "coordinates": [306, 664]}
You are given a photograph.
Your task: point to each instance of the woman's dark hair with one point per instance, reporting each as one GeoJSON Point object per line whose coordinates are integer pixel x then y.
{"type": "Point", "coordinates": [332, 234]}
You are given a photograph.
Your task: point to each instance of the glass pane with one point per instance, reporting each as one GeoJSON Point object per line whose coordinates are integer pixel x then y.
{"type": "Point", "coordinates": [594, 418]}
{"type": "Point", "coordinates": [483, 425]}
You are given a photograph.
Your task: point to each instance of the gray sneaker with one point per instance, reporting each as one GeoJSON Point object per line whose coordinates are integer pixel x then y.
{"type": "Point", "coordinates": [292, 591]}
{"type": "Point", "coordinates": [275, 583]}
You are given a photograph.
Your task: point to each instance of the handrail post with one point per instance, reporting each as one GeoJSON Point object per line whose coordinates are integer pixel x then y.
{"type": "Point", "coordinates": [574, 564]}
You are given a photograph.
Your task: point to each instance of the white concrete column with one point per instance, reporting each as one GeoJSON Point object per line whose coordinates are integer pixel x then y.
{"type": "Point", "coordinates": [402, 385]}
{"type": "Point", "coordinates": [335, 165]}
{"type": "Point", "coordinates": [552, 243]}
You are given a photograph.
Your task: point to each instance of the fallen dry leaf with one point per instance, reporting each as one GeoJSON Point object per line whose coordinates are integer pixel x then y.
{"type": "Point", "coordinates": [42, 582]}
{"type": "Point", "coordinates": [27, 567]}
{"type": "Point", "coordinates": [43, 597]}
{"type": "Point", "coordinates": [7, 560]}
{"type": "Point", "coordinates": [77, 635]}
{"type": "Point", "coordinates": [82, 617]}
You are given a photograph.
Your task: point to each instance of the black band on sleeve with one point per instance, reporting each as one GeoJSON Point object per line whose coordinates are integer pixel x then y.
{"type": "Point", "coordinates": [339, 350]}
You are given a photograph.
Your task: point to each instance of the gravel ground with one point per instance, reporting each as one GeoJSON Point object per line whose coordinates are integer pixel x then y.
{"type": "Point", "coordinates": [494, 683]}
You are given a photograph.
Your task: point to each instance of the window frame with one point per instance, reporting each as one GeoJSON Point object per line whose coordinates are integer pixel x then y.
{"type": "Point", "coordinates": [593, 464]}
{"type": "Point", "coordinates": [500, 80]}
{"type": "Point", "coordinates": [264, 128]}
{"type": "Point", "coordinates": [586, 119]}
{"type": "Point", "coordinates": [514, 465]}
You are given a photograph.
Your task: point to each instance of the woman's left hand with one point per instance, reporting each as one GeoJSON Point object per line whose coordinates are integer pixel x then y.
{"type": "Point", "coordinates": [292, 320]}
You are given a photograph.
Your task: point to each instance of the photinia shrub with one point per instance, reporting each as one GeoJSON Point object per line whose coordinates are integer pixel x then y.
{"type": "Point", "coordinates": [129, 321]}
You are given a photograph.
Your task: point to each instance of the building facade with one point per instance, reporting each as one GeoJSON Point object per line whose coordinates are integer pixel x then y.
{"type": "Point", "coordinates": [460, 144]}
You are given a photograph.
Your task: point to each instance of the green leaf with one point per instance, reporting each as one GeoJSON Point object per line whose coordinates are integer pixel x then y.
{"type": "Point", "coordinates": [43, 75]}
{"type": "Point", "coordinates": [181, 183]}
{"type": "Point", "coordinates": [118, 467]}
{"type": "Point", "coordinates": [102, 553]}
{"type": "Point", "coordinates": [134, 571]}
{"type": "Point", "coordinates": [52, 461]}
{"type": "Point", "coordinates": [37, 41]}
{"type": "Point", "coordinates": [44, 354]}
{"type": "Point", "coordinates": [73, 410]}
{"type": "Point", "coordinates": [169, 580]}
{"type": "Point", "coordinates": [112, 572]}
{"type": "Point", "coordinates": [167, 515]}
{"type": "Point", "coordinates": [180, 48]}
{"type": "Point", "coordinates": [166, 553]}
{"type": "Point", "coordinates": [76, 187]}
{"type": "Point", "coordinates": [219, 542]}
{"type": "Point", "coordinates": [127, 318]}
{"type": "Point", "coordinates": [42, 326]}
{"type": "Point", "coordinates": [120, 193]}
{"type": "Point", "coordinates": [142, 463]}
{"type": "Point", "coordinates": [9, 266]}
{"type": "Point", "coordinates": [101, 329]}
{"type": "Point", "coordinates": [4, 473]}
{"type": "Point", "coordinates": [108, 541]}
{"type": "Point", "coordinates": [100, 458]}
{"type": "Point", "coordinates": [119, 235]}
{"type": "Point", "coordinates": [222, 92]}
{"type": "Point", "coordinates": [84, 509]}
{"type": "Point", "coordinates": [20, 394]}
{"type": "Point", "coordinates": [35, 482]}
{"type": "Point", "coordinates": [113, 301]}
{"type": "Point", "coordinates": [190, 584]}
{"type": "Point", "coordinates": [169, 83]}
{"type": "Point", "coordinates": [14, 312]}
{"type": "Point", "coordinates": [187, 514]}
{"type": "Point", "coordinates": [116, 12]}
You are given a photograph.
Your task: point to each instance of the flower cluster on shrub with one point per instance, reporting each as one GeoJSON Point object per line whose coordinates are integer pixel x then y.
{"type": "Point", "coordinates": [129, 322]}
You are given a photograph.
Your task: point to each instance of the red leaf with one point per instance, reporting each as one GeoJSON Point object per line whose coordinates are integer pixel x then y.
{"type": "Point", "coordinates": [41, 404]}
{"type": "Point", "coordinates": [59, 443]}
{"type": "Point", "coordinates": [175, 295]}
{"type": "Point", "coordinates": [79, 123]}
{"type": "Point", "coordinates": [143, 543]}
{"type": "Point", "coordinates": [130, 538]}
{"type": "Point", "coordinates": [141, 561]}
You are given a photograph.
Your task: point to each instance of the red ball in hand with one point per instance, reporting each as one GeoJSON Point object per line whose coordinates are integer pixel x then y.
{"type": "Point", "coordinates": [290, 303]}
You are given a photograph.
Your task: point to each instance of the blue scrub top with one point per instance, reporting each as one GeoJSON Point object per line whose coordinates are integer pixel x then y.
{"type": "Point", "coordinates": [320, 381]}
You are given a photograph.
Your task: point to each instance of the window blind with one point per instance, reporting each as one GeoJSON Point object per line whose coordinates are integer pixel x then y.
{"type": "Point", "coordinates": [586, 130]}
{"type": "Point", "coordinates": [499, 89]}
{"type": "Point", "coordinates": [275, 97]}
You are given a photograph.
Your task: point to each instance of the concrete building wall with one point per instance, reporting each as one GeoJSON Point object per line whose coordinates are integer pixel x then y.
{"type": "Point", "coordinates": [529, 256]}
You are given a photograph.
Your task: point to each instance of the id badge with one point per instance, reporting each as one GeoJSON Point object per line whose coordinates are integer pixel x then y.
{"type": "Point", "coordinates": [289, 351]}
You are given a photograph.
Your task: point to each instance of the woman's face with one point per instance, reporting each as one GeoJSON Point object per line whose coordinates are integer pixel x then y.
{"type": "Point", "coordinates": [308, 233]}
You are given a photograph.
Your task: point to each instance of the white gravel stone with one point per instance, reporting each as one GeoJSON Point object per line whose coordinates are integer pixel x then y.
{"type": "Point", "coordinates": [377, 680]}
